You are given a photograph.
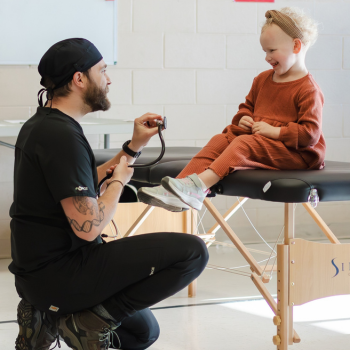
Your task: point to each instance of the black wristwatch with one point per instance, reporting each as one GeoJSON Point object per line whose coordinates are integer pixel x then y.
{"type": "Point", "coordinates": [130, 152]}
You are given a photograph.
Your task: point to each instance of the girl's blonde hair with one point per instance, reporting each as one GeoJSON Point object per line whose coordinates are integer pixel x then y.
{"type": "Point", "coordinates": [307, 26]}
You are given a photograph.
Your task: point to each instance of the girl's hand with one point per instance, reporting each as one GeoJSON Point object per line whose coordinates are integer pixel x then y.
{"type": "Point", "coordinates": [267, 130]}
{"type": "Point", "coordinates": [246, 123]}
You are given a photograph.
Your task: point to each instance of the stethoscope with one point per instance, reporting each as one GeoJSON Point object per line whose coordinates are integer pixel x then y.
{"type": "Point", "coordinates": [161, 125]}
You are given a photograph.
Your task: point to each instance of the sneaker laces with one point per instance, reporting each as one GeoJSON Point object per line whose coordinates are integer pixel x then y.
{"type": "Point", "coordinates": [108, 337]}
{"type": "Point", "coordinates": [57, 336]}
{"type": "Point", "coordinates": [58, 343]}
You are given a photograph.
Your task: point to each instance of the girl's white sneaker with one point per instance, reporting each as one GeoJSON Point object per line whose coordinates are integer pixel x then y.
{"type": "Point", "coordinates": [189, 190]}
{"type": "Point", "coordinates": [159, 197]}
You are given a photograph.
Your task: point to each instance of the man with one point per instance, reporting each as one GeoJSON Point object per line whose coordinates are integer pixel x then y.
{"type": "Point", "coordinates": [94, 295]}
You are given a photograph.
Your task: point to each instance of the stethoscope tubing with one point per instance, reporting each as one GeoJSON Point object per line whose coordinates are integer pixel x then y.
{"type": "Point", "coordinates": [160, 127]}
{"type": "Point", "coordinates": [161, 153]}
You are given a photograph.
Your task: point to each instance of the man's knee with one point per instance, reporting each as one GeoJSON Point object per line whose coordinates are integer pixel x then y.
{"type": "Point", "coordinates": [186, 247]}
{"type": "Point", "coordinates": [153, 334]}
{"type": "Point", "coordinates": [198, 249]}
{"type": "Point", "coordinates": [202, 249]}
{"type": "Point", "coordinates": [152, 330]}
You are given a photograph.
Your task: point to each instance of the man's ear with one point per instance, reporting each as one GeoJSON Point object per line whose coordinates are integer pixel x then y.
{"type": "Point", "coordinates": [78, 79]}
{"type": "Point", "coordinates": [297, 46]}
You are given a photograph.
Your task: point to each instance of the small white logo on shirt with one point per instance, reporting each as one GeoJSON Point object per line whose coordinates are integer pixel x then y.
{"type": "Point", "coordinates": [54, 308]}
{"type": "Point", "coordinates": [81, 188]}
{"type": "Point", "coordinates": [152, 271]}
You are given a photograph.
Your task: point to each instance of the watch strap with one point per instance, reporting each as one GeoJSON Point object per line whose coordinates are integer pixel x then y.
{"type": "Point", "coordinates": [130, 152]}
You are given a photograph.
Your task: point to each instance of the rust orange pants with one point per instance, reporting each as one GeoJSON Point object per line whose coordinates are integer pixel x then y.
{"type": "Point", "coordinates": [235, 149]}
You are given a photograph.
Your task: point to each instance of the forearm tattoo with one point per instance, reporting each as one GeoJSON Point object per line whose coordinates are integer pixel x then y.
{"type": "Point", "coordinates": [85, 205]}
{"type": "Point", "coordinates": [88, 224]}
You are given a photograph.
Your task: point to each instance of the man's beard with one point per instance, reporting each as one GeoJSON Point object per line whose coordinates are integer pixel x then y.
{"type": "Point", "coordinates": [96, 98]}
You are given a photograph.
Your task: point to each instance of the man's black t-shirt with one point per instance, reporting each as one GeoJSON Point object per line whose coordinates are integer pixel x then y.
{"type": "Point", "coordinates": [53, 161]}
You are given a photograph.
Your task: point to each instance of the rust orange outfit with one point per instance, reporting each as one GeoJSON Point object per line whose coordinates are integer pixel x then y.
{"type": "Point", "coordinates": [295, 106]}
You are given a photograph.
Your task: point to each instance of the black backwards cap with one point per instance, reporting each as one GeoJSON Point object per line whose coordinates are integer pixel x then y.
{"type": "Point", "coordinates": [63, 59]}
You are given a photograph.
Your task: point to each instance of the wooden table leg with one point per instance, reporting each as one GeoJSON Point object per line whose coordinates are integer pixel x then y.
{"type": "Point", "coordinates": [271, 302]}
{"type": "Point", "coordinates": [283, 337]}
{"type": "Point", "coordinates": [192, 289]}
{"type": "Point", "coordinates": [322, 225]}
{"type": "Point", "coordinates": [191, 223]}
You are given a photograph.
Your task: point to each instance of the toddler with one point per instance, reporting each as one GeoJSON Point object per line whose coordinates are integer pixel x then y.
{"type": "Point", "coordinates": [278, 127]}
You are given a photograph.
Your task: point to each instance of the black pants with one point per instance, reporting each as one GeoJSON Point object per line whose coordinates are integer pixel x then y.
{"type": "Point", "coordinates": [125, 276]}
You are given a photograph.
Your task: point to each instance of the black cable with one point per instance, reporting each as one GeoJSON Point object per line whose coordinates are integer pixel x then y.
{"type": "Point", "coordinates": [160, 126]}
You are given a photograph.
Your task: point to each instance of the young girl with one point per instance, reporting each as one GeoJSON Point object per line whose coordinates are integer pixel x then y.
{"type": "Point", "coordinates": [278, 127]}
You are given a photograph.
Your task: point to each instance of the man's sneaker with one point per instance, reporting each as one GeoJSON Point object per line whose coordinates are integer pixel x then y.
{"type": "Point", "coordinates": [189, 190]}
{"type": "Point", "coordinates": [35, 330]}
{"type": "Point", "coordinates": [86, 331]}
{"type": "Point", "coordinates": [159, 197]}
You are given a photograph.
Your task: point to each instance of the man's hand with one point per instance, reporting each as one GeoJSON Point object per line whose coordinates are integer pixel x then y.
{"type": "Point", "coordinates": [267, 130]}
{"type": "Point", "coordinates": [144, 128]}
{"type": "Point", "coordinates": [246, 123]}
{"type": "Point", "coordinates": [111, 169]}
{"type": "Point", "coordinates": [120, 171]}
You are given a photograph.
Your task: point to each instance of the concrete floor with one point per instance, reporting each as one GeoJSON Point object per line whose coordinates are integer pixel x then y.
{"type": "Point", "coordinates": [226, 314]}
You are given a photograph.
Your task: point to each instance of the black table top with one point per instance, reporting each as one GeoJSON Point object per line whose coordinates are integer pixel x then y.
{"type": "Point", "coordinates": [287, 186]}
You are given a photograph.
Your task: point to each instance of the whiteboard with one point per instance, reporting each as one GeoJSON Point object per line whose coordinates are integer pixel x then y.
{"type": "Point", "coordinates": [29, 27]}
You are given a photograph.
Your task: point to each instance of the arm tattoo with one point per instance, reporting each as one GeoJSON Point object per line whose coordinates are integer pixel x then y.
{"type": "Point", "coordinates": [88, 224]}
{"type": "Point", "coordinates": [85, 205]}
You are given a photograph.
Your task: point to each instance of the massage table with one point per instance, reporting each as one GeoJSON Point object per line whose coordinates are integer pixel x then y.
{"type": "Point", "coordinates": [306, 270]}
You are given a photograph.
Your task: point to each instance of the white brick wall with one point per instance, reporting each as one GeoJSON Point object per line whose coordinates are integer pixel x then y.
{"type": "Point", "coordinates": [225, 16]}
{"type": "Point", "coordinates": [164, 16]}
{"type": "Point", "coordinates": [326, 53]}
{"type": "Point", "coordinates": [244, 52]}
{"type": "Point", "coordinates": [223, 86]}
{"type": "Point", "coordinates": [334, 17]}
{"type": "Point", "coordinates": [194, 121]}
{"type": "Point", "coordinates": [19, 86]}
{"type": "Point", "coordinates": [346, 53]}
{"type": "Point", "coordinates": [335, 85]}
{"type": "Point", "coordinates": [140, 50]}
{"type": "Point", "coordinates": [332, 123]}
{"type": "Point", "coordinates": [194, 61]}
{"type": "Point", "coordinates": [184, 50]}
{"type": "Point", "coordinates": [120, 89]}
{"type": "Point", "coordinates": [164, 87]}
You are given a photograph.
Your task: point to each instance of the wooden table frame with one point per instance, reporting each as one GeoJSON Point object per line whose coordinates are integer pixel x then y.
{"type": "Point", "coordinates": [286, 289]}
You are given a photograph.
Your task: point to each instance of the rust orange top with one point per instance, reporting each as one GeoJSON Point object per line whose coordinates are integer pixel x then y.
{"type": "Point", "coordinates": [296, 107]}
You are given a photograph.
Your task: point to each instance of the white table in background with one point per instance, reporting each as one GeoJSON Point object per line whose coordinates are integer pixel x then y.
{"type": "Point", "coordinates": [90, 126]}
